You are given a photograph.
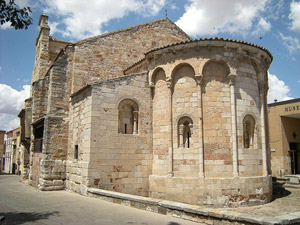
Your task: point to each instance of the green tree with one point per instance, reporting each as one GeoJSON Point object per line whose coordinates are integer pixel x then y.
{"type": "Point", "coordinates": [10, 12]}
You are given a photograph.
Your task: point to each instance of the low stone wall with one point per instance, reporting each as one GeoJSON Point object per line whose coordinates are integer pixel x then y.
{"type": "Point", "coordinates": [214, 192]}
{"type": "Point", "coordinates": [205, 215]}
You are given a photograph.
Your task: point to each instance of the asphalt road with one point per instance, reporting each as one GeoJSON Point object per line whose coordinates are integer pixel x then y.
{"type": "Point", "coordinates": [22, 204]}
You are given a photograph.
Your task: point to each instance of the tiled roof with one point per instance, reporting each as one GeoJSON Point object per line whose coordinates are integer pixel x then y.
{"type": "Point", "coordinates": [214, 39]}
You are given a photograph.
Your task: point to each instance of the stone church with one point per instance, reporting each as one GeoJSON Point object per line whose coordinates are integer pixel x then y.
{"type": "Point", "coordinates": [146, 110]}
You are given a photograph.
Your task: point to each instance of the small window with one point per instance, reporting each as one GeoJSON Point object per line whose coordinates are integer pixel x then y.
{"type": "Point", "coordinates": [38, 131]}
{"type": "Point", "coordinates": [76, 152]}
{"type": "Point", "coordinates": [248, 131]}
{"type": "Point", "coordinates": [185, 125]}
{"type": "Point", "coordinates": [128, 117]}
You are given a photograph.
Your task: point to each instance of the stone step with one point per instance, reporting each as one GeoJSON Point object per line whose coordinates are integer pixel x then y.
{"type": "Point", "coordinates": [290, 185]}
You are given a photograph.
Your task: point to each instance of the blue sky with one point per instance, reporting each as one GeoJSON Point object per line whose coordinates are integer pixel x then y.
{"type": "Point", "coordinates": [273, 24]}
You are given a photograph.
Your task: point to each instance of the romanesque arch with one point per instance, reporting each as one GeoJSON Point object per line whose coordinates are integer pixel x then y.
{"type": "Point", "coordinates": [248, 131]}
{"type": "Point", "coordinates": [157, 71]}
{"type": "Point", "coordinates": [185, 69]}
{"type": "Point", "coordinates": [230, 68]}
{"type": "Point", "coordinates": [128, 116]}
{"type": "Point", "coordinates": [160, 115]}
{"type": "Point", "coordinates": [184, 132]}
{"type": "Point", "coordinates": [217, 119]}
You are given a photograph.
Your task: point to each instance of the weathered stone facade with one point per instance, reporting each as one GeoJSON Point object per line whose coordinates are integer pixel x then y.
{"type": "Point", "coordinates": [147, 111]}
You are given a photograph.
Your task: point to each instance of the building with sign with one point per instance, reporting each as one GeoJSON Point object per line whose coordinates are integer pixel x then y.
{"type": "Point", "coordinates": [284, 134]}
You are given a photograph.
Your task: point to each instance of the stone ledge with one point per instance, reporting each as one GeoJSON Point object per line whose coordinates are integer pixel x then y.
{"type": "Point", "coordinates": [123, 196]}
{"type": "Point", "coordinates": [192, 212]}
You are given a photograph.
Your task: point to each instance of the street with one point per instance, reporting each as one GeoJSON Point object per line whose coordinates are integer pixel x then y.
{"type": "Point", "coordinates": [22, 204]}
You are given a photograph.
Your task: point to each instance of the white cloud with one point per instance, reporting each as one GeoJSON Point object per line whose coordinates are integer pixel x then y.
{"type": "Point", "coordinates": [5, 26]}
{"type": "Point", "coordinates": [11, 102]}
{"type": "Point", "coordinates": [295, 15]}
{"type": "Point", "coordinates": [152, 6]}
{"type": "Point", "coordinates": [262, 27]}
{"type": "Point", "coordinates": [203, 17]}
{"type": "Point", "coordinates": [80, 19]}
{"type": "Point", "coordinates": [291, 43]}
{"type": "Point", "coordinates": [0, 69]}
{"type": "Point", "coordinates": [9, 122]}
{"type": "Point", "coordinates": [277, 89]}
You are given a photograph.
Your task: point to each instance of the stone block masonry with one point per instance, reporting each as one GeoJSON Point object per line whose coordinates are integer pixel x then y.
{"type": "Point", "coordinates": [186, 123]}
{"type": "Point", "coordinates": [116, 161]}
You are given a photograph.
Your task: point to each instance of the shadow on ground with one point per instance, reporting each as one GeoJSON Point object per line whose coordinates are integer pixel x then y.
{"type": "Point", "coordinates": [16, 218]}
{"type": "Point", "coordinates": [279, 191]}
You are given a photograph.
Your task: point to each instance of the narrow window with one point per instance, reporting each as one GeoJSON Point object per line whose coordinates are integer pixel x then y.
{"type": "Point", "coordinates": [38, 131]}
{"type": "Point", "coordinates": [128, 117]}
{"type": "Point", "coordinates": [248, 131]}
{"type": "Point", "coordinates": [185, 125]}
{"type": "Point", "coordinates": [76, 152]}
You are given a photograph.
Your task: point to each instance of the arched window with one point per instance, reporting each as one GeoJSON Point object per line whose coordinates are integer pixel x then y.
{"type": "Point", "coordinates": [248, 131]}
{"type": "Point", "coordinates": [128, 117]}
{"type": "Point", "coordinates": [185, 125]}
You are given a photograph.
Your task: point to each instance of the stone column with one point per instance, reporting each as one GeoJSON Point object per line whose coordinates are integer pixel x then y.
{"type": "Point", "coordinates": [135, 122]}
{"type": "Point", "coordinates": [263, 127]}
{"type": "Point", "coordinates": [199, 79]}
{"type": "Point", "coordinates": [181, 139]}
{"type": "Point", "coordinates": [171, 172]}
{"type": "Point", "coordinates": [233, 125]}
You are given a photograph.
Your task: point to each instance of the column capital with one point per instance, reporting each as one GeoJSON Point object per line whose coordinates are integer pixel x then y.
{"type": "Point", "coordinates": [151, 84]}
{"type": "Point", "coordinates": [169, 82]}
{"type": "Point", "coordinates": [232, 79]}
{"type": "Point", "coordinates": [199, 78]}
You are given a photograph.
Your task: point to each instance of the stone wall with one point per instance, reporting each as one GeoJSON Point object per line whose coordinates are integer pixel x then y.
{"type": "Point", "coordinates": [221, 88]}
{"type": "Point", "coordinates": [218, 161]}
{"type": "Point", "coordinates": [39, 99]}
{"type": "Point", "coordinates": [47, 49]}
{"type": "Point", "coordinates": [161, 129]}
{"type": "Point", "coordinates": [185, 105]}
{"type": "Point", "coordinates": [213, 192]}
{"type": "Point", "coordinates": [38, 107]}
{"type": "Point", "coordinates": [77, 166]}
{"type": "Point", "coordinates": [106, 56]}
{"type": "Point", "coordinates": [117, 161]}
{"type": "Point", "coordinates": [248, 102]}
{"type": "Point", "coordinates": [56, 124]}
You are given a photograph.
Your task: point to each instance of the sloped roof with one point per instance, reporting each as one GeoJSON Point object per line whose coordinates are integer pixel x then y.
{"type": "Point", "coordinates": [126, 29]}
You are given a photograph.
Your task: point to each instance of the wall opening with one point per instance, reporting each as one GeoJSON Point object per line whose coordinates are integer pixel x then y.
{"type": "Point", "coordinates": [128, 117]}
{"type": "Point", "coordinates": [248, 131]}
{"type": "Point", "coordinates": [38, 130]}
{"type": "Point", "coordinates": [185, 125]}
{"type": "Point", "coordinates": [76, 152]}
